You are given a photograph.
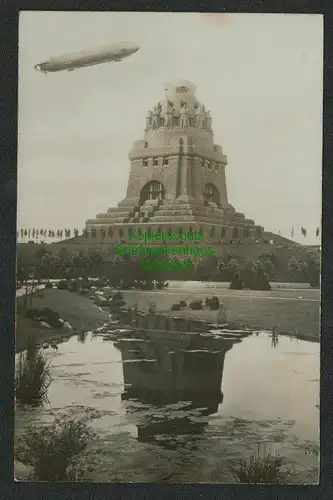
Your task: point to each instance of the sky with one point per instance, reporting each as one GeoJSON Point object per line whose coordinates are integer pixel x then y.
{"type": "Point", "coordinates": [261, 75]}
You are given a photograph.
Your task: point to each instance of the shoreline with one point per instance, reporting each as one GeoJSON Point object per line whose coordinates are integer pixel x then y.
{"type": "Point", "coordinates": [83, 315]}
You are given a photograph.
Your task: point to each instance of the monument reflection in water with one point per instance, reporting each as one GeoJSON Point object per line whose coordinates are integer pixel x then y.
{"type": "Point", "coordinates": [178, 378]}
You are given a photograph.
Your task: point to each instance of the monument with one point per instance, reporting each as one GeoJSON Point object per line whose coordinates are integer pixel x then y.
{"type": "Point", "coordinates": [177, 177]}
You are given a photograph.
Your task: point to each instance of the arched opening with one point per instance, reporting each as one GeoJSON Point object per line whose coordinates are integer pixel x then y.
{"type": "Point", "coordinates": [152, 191]}
{"type": "Point", "coordinates": [211, 194]}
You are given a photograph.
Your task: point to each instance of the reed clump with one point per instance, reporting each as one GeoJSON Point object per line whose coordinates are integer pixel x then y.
{"type": "Point", "coordinates": [57, 452]}
{"type": "Point", "coordinates": [261, 468]}
{"type": "Point", "coordinates": [32, 375]}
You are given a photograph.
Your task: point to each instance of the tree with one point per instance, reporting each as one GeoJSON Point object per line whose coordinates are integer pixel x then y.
{"type": "Point", "coordinates": [261, 269]}
{"type": "Point", "coordinates": [268, 262]}
{"type": "Point", "coordinates": [232, 272]}
{"type": "Point", "coordinates": [49, 266]}
{"type": "Point", "coordinates": [303, 231]}
{"type": "Point", "coordinates": [313, 270]}
{"type": "Point", "coordinates": [297, 269]}
{"type": "Point", "coordinates": [232, 267]}
{"type": "Point", "coordinates": [39, 254]}
{"type": "Point", "coordinates": [95, 260]}
{"type": "Point", "coordinates": [236, 282]}
{"type": "Point", "coordinates": [80, 263]}
{"type": "Point", "coordinates": [26, 275]}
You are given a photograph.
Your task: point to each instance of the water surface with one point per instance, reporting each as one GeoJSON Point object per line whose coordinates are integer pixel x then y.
{"type": "Point", "coordinates": [178, 406]}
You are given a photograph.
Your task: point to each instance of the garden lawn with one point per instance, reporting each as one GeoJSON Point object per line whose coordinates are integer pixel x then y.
{"type": "Point", "coordinates": [79, 311]}
{"type": "Point", "coordinates": [292, 316]}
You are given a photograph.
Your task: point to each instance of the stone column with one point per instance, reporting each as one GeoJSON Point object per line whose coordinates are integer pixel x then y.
{"type": "Point", "coordinates": [185, 196]}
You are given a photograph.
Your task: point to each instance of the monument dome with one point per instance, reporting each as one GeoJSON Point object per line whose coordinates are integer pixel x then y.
{"type": "Point", "coordinates": [177, 175]}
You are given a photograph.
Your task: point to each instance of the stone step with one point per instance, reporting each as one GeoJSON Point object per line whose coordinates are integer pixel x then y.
{"type": "Point", "coordinates": [172, 218]}
{"type": "Point", "coordinates": [194, 208]}
{"type": "Point", "coordinates": [126, 210]}
{"type": "Point", "coordinates": [111, 216]}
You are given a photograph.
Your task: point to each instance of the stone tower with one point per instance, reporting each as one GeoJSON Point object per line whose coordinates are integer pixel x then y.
{"type": "Point", "coordinates": [177, 176]}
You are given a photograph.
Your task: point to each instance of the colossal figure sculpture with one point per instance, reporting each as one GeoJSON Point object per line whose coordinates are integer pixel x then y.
{"type": "Point", "coordinates": [183, 116]}
{"type": "Point", "coordinates": [168, 115]}
{"type": "Point", "coordinates": [208, 120]}
{"type": "Point", "coordinates": [199, 117]}
{"type": "Point", "coordinates": [156, 117]}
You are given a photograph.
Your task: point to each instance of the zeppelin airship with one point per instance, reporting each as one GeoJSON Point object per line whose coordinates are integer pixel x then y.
{"type": "Point", "coordinates": [69, 62]}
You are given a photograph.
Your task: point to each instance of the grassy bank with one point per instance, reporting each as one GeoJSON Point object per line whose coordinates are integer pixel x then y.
{"type": "Point", "coordinates": [292, 316]}
{"type": "Point", "coordinates": [79, 311]}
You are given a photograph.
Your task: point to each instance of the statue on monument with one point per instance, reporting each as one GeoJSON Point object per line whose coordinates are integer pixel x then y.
{"type": "Point", "coordinates": [168, 115]}
{"type": "Point", "coordinates": [208, 120]}
{"type": "Point", "coordinates": [199, 117]}
{"type": "Point", "coordinates": [156, 117]}
{"type": "Point", "coordinates": [183, 116]}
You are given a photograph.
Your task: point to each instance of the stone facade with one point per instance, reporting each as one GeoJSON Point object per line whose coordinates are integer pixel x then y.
{"type": "Point", "coordinates": [177, 177]}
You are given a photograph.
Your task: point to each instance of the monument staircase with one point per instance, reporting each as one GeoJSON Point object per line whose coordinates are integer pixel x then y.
{"type": "Point", "coordinates": [166, 212]}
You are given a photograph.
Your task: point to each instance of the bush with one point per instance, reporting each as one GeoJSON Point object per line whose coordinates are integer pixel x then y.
{"type": "Point", "coordinates": [213, 303]}
{"type": "Point", "coordinates": [62, 285]}
{"type": "Point", "coordinates": [176, 307]}
{"type": "Point", "coordinates": [32, 313]}
{"type": "Point", "coordinates": [314, 279]}
{"type": "Point", "coordinates": [196, 304]}
{"type": "Point", "coordinates": [159, 284]}
{"type": "Point", "coordinates": [260, 282]}
{"type": "Point", "coordinates": [236, 283]}
{"type": "Point", "coordinates": [57, 452]}
{"type": "Point", "coordinates": [74, 286]}
{"type": "Point", "coordinates": [32, 375]}
{"type": "Point", "coordinates": [46, 315]}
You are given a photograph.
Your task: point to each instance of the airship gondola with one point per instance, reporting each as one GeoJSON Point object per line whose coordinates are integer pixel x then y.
{"type": "Point", "coordinates": [69, 62]}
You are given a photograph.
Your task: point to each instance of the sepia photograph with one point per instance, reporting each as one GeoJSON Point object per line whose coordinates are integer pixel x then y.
{"type": "Point", "coordinates": [168, 248]}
